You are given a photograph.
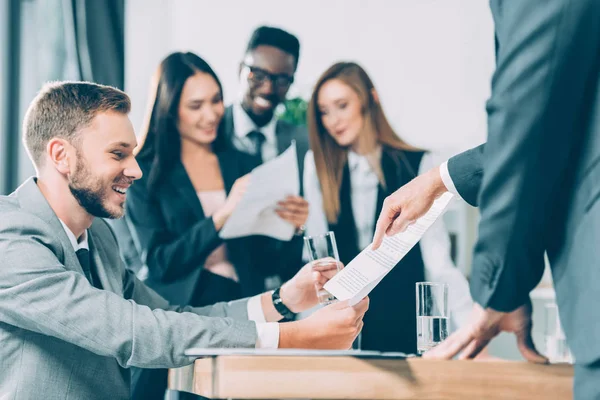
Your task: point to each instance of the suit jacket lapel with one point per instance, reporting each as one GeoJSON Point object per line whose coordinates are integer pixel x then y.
{"type": "Point", "coordinates": [391, 173]}
{"type": "Point", "coordinates": [99, 260]}
{"type": "Point", "coordinates": [229, 169]}
{"type": "Point", "coordinates": [31, 199]}
{"type": "Point", "coordinates": [180, 181]}
{"type": "Point", "coordinates": [283, 137]}
{"type": "Point", "coordinates": [228, 126]}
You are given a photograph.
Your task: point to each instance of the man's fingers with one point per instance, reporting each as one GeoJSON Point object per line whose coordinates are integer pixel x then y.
{"type": "Point", "coordinates": [359, 325]}
{"type": "Point", "coordinates": [326, 264]}
{"type": "Point", "coordinates": [473, 349]}
{"type": "Point", "coordinates": [383, 222]}
{"type": "Point", "coordinates": [451, 346]}
{"type": "Point", "coordinates": [527, 348]}
{"type": "Point", "coordinates": [321, 278]}
{"type": "Point", "coordinates": [340, 305]}
{"type": "Point", "coordinates": [399, 225]}
{"type": "Point", "coordinates": [362, 306]}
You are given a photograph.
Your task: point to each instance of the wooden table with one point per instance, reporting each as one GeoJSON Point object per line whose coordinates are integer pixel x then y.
{"type": "Point", "coordinates": [287, 377]}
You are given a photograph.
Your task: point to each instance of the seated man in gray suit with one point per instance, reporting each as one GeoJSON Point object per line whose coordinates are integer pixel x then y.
{"type": "Point", "coordinates": [71, 316]}
{"type": "Point", "coordinates": [536, 181]}
{"type": "Point", "coordinates": [266, 73]}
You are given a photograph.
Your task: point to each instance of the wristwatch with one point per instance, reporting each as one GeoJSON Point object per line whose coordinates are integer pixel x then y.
{"type": "Point", "coordinates": [280, 307]}
{"type": "Point", "coordinates": [300, 230]}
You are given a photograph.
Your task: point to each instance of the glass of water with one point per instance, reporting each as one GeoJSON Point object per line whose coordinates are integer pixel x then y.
{"type": "Point", "coordinates": [557, 350]}
{"type": "Point", "coordinates": [322, 251]}
{"type": "Point", "coordinates": [432, 314]}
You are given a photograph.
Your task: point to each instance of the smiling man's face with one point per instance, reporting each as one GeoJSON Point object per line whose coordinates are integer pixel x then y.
{"type": "Point", "coordinates": [105, 166]}
{"type": "Point", "coordinates": [264, 73]}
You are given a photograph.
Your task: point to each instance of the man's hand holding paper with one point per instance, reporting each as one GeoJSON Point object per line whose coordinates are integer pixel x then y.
{"type": "Point", "coordinates": [363, 273]}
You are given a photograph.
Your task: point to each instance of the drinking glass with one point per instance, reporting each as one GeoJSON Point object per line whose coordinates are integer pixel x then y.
{"type": "Point", "coordinates": [432, 314]}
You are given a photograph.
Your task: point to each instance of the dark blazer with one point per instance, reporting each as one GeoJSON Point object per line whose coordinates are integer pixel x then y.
{"type": "Point", "coordinates": [537, 179]}
{"type": "Point", "coordinates": [176, 237]}
{"type": "Point", "coordinates": [285, 133]}
{"type": "Point", "coordinates": [390, 324]}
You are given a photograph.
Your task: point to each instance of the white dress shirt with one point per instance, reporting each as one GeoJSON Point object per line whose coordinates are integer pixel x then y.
{"type": "Point", "coordinates": [267, 332]}
{"type": "Point", "coordinates": [445, 174]}
{"type": "Point", "coordinates": [435, 244]}
{"type": "Point", "coordinates": [243, 125]}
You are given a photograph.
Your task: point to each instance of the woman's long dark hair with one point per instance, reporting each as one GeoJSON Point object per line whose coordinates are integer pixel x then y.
{"type": "Point", "coordinates": [160, 142]}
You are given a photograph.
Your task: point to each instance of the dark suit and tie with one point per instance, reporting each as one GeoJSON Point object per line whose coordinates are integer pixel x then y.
{"type": "Point", "coordinates": [283, 135]}
{"type": "Point", "coordinates": [537, 179]}
{"type": "Point", "coordinates": [265, 144]}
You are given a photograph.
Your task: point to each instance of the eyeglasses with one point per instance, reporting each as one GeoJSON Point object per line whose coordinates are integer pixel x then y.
{"type": "Point", "coordinates": [258, 76]}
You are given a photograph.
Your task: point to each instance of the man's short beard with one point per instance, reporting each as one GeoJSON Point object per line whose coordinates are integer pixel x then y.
{"type": "Point", "coordinates": [91, 199]}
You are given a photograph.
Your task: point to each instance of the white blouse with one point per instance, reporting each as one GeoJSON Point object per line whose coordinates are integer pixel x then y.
{"type": "Point", "coordinates": [435, 244]}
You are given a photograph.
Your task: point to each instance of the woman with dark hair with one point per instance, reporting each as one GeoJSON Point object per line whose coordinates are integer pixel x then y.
{"type": "Point", "coordinates": [356, 160]}
{"type": "Point", "coordinates": [191, 185]}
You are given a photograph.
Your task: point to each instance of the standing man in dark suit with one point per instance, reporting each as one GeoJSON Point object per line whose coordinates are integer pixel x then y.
{"type": "Point", "coordinates": [266, 74]}
{"type": "Point", "coordinates": [536, 181]}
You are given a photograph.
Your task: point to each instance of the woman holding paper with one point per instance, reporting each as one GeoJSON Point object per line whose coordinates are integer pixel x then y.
{"type": "Point", "coordinates": [355, 162]}
{"type": "Point", "coordinates": [191, 185]}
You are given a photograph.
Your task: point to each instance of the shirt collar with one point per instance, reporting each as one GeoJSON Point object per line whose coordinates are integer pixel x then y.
{"type": "Point", "coordinates": [83, 240]}
{"type": "Point", "coordinates": [364, 162]}
{"type": "Point", "coordinates": [243, 124]}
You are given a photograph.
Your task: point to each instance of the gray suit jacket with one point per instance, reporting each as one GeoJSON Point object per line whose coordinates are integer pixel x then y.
{"type": "Point", "coordinates": [61, 338]}
{"type": "Point", "coordinates": [537, 179]}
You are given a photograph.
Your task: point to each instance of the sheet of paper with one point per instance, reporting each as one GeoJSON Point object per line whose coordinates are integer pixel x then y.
{"type": "Point", "coordinates": [367, 269]}
{"type": "Point", "coordinates": [269, 183]}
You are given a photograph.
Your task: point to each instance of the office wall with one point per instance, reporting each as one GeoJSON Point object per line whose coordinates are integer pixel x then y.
{"type": "Point", "coordinates": [431, 60]}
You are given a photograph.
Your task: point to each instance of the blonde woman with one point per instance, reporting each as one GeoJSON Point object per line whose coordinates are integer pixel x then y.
{"type": "Point", "coordinates": [355, 162]}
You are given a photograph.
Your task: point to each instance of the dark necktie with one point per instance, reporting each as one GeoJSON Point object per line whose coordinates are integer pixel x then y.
{"type": "Point", "coordinates": [83, 255]}
{"type": "Point", "coordinates": [257, 138]}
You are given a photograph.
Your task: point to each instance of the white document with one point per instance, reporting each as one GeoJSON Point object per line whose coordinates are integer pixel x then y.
{"type": "Point", "coordinates": [269, 183]}
{"type": "Point", "coordinates": [368, 268]}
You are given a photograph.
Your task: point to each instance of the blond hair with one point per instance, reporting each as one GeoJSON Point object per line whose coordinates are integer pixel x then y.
{"type": "Point", "coordinates": [330, 157]}
{"type": "Point", "coordinates": [62, 109]}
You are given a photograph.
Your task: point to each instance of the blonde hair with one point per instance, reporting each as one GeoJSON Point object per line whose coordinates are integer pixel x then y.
{"type": "Point", "coordinates": [330, 157]}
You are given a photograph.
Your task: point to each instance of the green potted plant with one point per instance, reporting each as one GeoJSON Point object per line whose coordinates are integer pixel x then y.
{"type": "Point", "coordinates": [293, 111]}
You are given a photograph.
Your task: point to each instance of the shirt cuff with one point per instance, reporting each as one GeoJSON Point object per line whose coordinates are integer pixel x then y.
{"type": "Point", "coordinates": [267, 332]}
{"type": "Point", "coordinates": [255, 311]}
{"type": "Point", "coordinates": [445, 174]}
{"type": "Point", "coordinates": [268, 335]}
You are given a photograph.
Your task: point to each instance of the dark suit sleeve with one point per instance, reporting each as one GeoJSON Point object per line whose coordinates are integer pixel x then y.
{"type": "Point", "coordinates": [168, 255]}
{"type": "Point", "coordinates": [466, 172]}
{"type": "Point", "coordinates": [547, 58]}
